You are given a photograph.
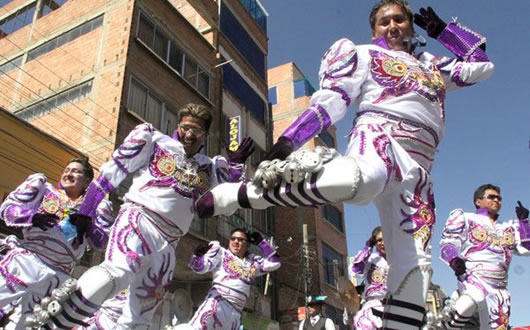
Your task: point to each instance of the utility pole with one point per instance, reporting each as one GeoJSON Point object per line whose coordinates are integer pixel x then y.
{"type": "Point", "coordinates": [307, 269]}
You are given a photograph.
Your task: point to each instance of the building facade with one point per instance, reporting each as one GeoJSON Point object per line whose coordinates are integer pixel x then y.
{"type": "Point", "coordinates": [87, 72]}
{"type": "Point", "coordinates": [289, 95]}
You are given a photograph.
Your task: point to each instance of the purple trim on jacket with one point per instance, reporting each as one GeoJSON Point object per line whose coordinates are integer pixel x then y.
{"type": "Point", "coordinates": [448, 252]}
{"type": "Point", "coordinates": [18, 216]}
{"type": "Point", "coordinates": [359, 262]}
{"type": "Point", "coordinates": [456, 77]}
{"type": "Point", "coordinates": [196, 263]}
{"type": "Point", "coordinates": [483, 212]}
{"type": "Point", "coordinates": [381, 42]}
{"type": "Point", "coordinates": [235, 171]}
{"type": "Point", "coordinates": [524, 233]}
{"type": "Point", "coordinates": [267, 249]}
{"type": "Point", "coordinates": [312, 122]}
{"type": "Point", "coordinates": [95, 193]}
{"type": "Point", "coordinates": [463, 42]}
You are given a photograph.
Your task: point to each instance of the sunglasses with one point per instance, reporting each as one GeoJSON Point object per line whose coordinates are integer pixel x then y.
{"type": "Point", "coordinates": [239, 239]}
{"type": "Point", "coordinates": [379, 240]}
{"type": "Point", "coordinates": [195, 131]}
{"type": "Point", "coordinates": [493, 197]}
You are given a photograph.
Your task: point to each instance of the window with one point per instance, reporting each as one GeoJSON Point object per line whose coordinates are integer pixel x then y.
{"type": "Point", "coordinates": [236, 33]}
{"type": "Point", "coordinates": [4, 2]}
{"type": "Point", "coordinates": [332, 215]}
{"type": "Point", "coordinates": [256, 11]}
{"type": "Point", "coordinates": [50, 5]}
{"type": "Point", "coordinates": [239, 88]}
{"type": "Point", "coordinates": [65, 38]}
{"type": "Point", "coordinates": [196, 75]}
{"type": "Point", "coordinates": [149, 107]}
{"type": "Point", "coordinates": [57, 101]}
{"type": "Point", "coordinates": [273, 96]}
{"type": "Point", "coordinates": [10, 65]}
{"type": "Point", "coordinates": [18, 20]}
{"type": "Point", "coordinates": [303, 88]}
{"type": "Point", "coordinates": [327, 138]}
{"type": "Point", "coordinates": [328, 255]}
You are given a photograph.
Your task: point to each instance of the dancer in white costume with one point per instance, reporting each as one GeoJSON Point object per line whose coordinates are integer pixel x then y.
{"type": "Point", "coordinates": [158, 209]}
{"type": "Point", "coordinates": [374, 269]}
{"type": "Point", "coordinates": [400, 121]}
{"type": "Point", "coordinates": [479, 249]}
{"type": "Point", "coordinates": [32, 267]}
{"type": "Point", "coordinates": [234, 272]}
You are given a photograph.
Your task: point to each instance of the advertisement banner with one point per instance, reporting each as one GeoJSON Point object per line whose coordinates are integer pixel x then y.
{"type": "Point", "coordinates": [234, 133]}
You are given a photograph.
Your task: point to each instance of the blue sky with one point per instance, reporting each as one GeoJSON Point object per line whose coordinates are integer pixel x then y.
{"type": "Point", "coordinates": [487, 134]}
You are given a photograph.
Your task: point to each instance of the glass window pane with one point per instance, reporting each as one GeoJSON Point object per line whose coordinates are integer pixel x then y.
{"type": "Point", "coordinates": [153, 110]}
{"type": "Point", "coordinates": [204, 84]}
{"type": "Point", "coordinates": [137, 98]}
{"type": "Point", "coordinates": [190, 72]}
{"type": "Point", "coordinates": [160, 46]}
{"type": "Point", "coordinates": [146, 31]}
{"type": "Point", "coordinates": [175, 58]}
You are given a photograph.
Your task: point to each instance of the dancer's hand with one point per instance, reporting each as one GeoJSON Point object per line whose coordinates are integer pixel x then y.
{"type": "Point", "coordinates": [44, 221]}
{"type": "Point", "coordinates": [458, 265]}
{"type": "Point", "coordinates": [428, 20]}
{"type": "Point", "coordinates": [280, 150]}
{"type": "Point", "coordinates": [83, 224]}
{"type": "Point", "coordinates": [521, 211]}
{"type": "Point", "coordinates": [255, 238]}
{"type": "Point", "coordinates": [202, 249]}
{"type": "Point", "coordinates": [246, 148]}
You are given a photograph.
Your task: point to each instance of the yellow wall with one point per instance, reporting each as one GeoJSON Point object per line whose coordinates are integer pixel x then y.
{"type": "Point", "coordinates": [25, 150]}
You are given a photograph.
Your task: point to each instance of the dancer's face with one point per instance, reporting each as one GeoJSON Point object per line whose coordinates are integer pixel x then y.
{"type": "Point", "coordinates": [191, 134]}
{"type": "Point", "coordinates": [380, 244]}
{"type": "Point", "coordinates": [73, 180]}
{"type": "Point", "coordinates": [491, 201]}
{"type": "Point", "coordinates": [392, 23]}
{"type": "Point", "coordinates": [238, 244]}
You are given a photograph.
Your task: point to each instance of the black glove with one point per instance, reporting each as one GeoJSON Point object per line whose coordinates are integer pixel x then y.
{"type": "Point", "coordinates": [83, 223]}
{"type": "Point", "coordinates": [202, 249]}
{"type": "Point", "coordinates": [521, 211]}
{"type": "Point", "coordinates": [255, 238]}
{"type": "Point", "coordinates": [246, 148]}
{"type": "Point", "coordinates": [370, 242]}
{"type": "Point", "coordinates": [280, 150]}
{"type": "Point", "coordinates": [44, 221]}
{"type": "Point", "coordinates": [458, 265]}
{"type": "Point", "coordinates": [430, 22]}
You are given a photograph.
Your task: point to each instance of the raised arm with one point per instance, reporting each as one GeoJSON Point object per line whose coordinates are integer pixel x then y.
{"type": "Point", "coordinates": [360, 261]}
{"type": "Point", "coordinates": [21, 205]}
{"type": "Point", "coordinates": [135, 151]}
{"type": "Point", "coordinates": [270, 260]}
{"type": "Point", "coordinates": [471, 64]}
{"type": "Point", "coordinates": [340, 84]}
{"type": "Point", "coordinates": [206, 257]}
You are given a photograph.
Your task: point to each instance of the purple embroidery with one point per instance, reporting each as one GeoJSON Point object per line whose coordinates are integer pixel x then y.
{"type": "Point", "coordinates": [500, 314]}
{"type": "Point", "coordinates": [10, 279]}
{"type": "Point", "coordinates": [341, 91]}
{"type": "Point", "coordinates": [238, 269]}
{"type": "Point", "coordinates": [338, 60]}
{"type": "Point", "coordinates": [132, 257]}
{"type": "Point", "coordinates": [159, 282]}
{"type": "Point", "coordinates": [419, 223]}
{"type": "Point", "coordinates": [381, 145]}
{"type": "Point", "coordinates": [455, 77]}
{"type": "Point", "coordinates": [448, 252]}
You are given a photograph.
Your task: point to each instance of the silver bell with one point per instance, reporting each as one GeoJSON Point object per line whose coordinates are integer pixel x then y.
{"type": "Point", "coordinates": [54, 308]}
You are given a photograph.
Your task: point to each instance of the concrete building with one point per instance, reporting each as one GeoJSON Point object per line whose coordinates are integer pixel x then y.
{"type": "Point", "coordinates": [289, 94]}
{"type": "Point", "coordinates": [87, 72]}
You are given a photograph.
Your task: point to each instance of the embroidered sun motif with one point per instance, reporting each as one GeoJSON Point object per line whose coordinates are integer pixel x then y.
{"type": "Point", "coordinates": [394, 67]}
{"type": "Point", "coordinates": [50, 205]}
{"type": "Point", "coordinates": [166, 165]}
{"type": "Point", "coordinates": [509, 238]}
{"type": "Point", "coordinates": [479, 234]}
{"type": "Point", "coordinates": [377, 276]}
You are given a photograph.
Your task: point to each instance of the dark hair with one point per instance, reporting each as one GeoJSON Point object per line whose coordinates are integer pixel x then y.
{"type": "Point", "coordinates": [479, 193]}
{"type": "Point", "coordinates": [198, 111]}
{"type": "Point", "coordinates": [401, 3]}
{"type": "Point", "coordinates": [376, 231]}
{"type": "Point", "coordinates": [241, 230]}
{"type": "Point", "coordinates": [88, 171]}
